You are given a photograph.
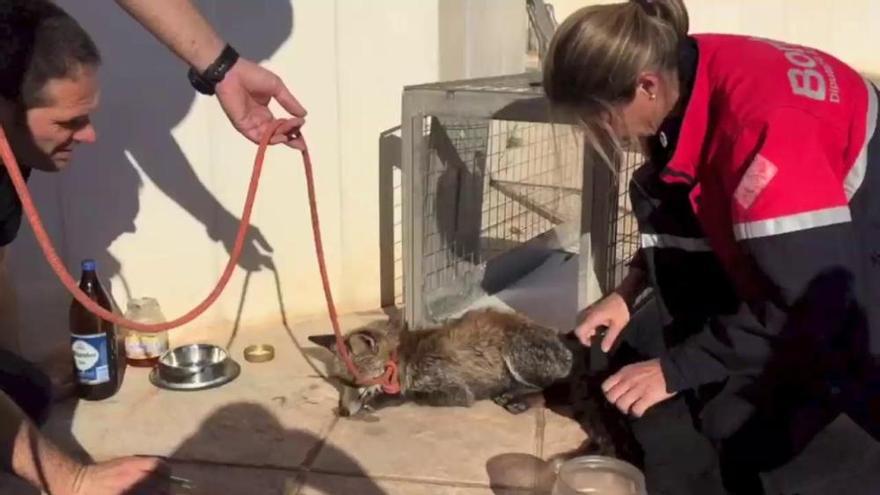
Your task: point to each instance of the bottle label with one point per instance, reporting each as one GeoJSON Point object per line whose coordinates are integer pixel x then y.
{"type": "Point", "coordinates": [145, 346]}
{"type": "Point", "coordinates": [92, 358]}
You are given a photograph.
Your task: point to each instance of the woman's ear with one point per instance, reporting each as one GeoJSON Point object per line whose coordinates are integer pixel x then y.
{"type": "Point", "coordinates": [649, 84]}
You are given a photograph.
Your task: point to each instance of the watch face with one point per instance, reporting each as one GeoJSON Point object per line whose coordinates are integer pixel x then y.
{"type": "Point", "coordinates": [217, 74]}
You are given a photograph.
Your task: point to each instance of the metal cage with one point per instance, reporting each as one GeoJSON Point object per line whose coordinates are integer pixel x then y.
{"type": "Point", "coordinates": [490, 187]}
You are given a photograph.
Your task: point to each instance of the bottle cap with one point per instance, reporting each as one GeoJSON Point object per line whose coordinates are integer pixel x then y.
{"type": "Point", "coordinates": [89, 265]}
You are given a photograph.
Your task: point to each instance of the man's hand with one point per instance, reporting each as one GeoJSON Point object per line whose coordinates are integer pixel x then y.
{"type": "Point", "coordinates": [245, 93]}
{"type": "Point", "coordinates": [125, 476]}
{"type": "Point", "coordinates": [247, 88]}
{"type": "Point", "coordinates": [637, 387]}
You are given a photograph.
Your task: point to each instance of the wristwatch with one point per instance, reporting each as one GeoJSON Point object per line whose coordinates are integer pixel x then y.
{"type": "Point", "coordinates": [206, 82]}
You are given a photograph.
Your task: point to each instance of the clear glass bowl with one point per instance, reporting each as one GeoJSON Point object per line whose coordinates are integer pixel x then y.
{"type": "Point", "coordinates": [598, 475]}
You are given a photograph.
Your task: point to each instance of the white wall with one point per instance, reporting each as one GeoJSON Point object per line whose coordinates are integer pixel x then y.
{"type": "Point", "coordinates": [481, 38]}
{"type": "Point", "coordinates": [168, 167]}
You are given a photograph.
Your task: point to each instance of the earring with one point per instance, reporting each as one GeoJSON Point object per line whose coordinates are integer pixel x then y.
{"type": "Point", "coordinates": [652, 96]}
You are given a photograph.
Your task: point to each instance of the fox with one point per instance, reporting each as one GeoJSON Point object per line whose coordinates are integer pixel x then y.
{"type": "Point", "coordinates": [483, 354]}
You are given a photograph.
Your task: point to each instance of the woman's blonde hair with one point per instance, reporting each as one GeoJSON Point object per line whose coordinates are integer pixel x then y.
{"type": "Point", "coordinates": [597, 54]}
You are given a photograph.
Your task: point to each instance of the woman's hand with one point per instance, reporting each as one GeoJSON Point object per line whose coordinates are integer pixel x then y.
{"type": "Point", "coordinates": [637, 387]}
{"type": "Point", "coordinates": [611, 312]}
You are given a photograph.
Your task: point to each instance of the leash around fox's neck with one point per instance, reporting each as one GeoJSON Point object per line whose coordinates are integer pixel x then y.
{"type": "Point", "coordinates": [390, 379]}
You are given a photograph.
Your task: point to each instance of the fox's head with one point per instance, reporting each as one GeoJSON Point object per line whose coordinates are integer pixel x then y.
{"type": "Point", "coordinates": [369, 347]}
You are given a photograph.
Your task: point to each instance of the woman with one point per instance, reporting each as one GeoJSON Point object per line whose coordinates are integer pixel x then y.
{"type": "Point", "coordinates": [758, 208]}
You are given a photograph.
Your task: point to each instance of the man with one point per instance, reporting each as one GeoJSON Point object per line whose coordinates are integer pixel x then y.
{"type": "Point", "coordinates": [48, 88]}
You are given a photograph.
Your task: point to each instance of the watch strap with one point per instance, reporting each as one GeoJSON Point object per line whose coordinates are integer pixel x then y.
{"type": "Point", "coordinates": [207, 81]}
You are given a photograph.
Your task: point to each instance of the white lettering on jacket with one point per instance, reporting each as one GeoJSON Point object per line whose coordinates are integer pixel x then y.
{"type": "Point", "coordinates": [804, 75]}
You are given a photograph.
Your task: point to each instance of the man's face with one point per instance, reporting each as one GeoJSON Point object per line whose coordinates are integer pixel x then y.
{"type": "Point", "coordinates": [62, 121]}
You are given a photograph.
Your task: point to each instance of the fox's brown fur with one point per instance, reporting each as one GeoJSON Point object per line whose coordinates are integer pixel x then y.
{"type": "Point", "coordinates": [485, 354]}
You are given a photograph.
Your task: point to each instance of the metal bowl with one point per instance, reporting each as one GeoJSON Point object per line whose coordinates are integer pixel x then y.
{"type": "Point", "coordinates": [194, 367]}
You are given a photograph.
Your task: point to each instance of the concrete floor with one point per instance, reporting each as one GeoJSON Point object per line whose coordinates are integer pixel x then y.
{"type": "Point", "coordinates": [274, 431]}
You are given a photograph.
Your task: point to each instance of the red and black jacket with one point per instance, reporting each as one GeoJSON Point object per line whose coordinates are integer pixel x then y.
{"type": "Point", "coordinates": [759, 213]}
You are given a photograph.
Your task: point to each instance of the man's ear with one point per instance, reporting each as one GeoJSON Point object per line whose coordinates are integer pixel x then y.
{"type": "Point", "coordinates": [328, 341]}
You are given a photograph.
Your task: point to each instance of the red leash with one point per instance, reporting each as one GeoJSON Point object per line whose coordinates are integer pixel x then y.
{"type": "Point", "coordinates": [389, 380]}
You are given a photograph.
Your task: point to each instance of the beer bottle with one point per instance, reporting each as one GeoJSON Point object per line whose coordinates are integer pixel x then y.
{"type": "Point", "coordinates": [94, 341]}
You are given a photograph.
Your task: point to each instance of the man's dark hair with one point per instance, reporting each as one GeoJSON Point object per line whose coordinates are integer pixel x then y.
{"type": "Point", "coordinates": [39, 42]}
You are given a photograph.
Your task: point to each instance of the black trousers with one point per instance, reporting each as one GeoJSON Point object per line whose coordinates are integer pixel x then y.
{"type": "Point", "coordinates": [717, 440]}
{"type": "Point", "coordinates": [26, 385]}
{"type": "Point", "coordinates": [677, 458]}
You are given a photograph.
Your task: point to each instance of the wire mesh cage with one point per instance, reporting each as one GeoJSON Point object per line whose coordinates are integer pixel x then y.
{"type": "Point", "coordinates": [486, 189]}
{"type": "Point", "coordinates": [623, 233]}
{"type": "Point", "coordinates": [490, 188]}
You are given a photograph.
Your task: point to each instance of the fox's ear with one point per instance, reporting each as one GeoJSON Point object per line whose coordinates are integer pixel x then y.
{"type": "Point", "coordinates": [328, 341]}
{"type": "Point", "coordinates": [397, 325]}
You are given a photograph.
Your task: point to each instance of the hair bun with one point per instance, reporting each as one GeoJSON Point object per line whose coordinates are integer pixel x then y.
{"type": "Point", "coordinates": [672, 12]}
{"type": "Point", "coordinates": [650, 6]}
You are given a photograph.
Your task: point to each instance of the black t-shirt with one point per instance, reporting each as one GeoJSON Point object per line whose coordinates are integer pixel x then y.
{"type": "Point", "coordinates": [10, 207]}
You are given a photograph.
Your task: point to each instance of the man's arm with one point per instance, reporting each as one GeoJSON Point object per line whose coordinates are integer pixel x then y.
{"type": "Point", "coordinates": [30, 456]}
{"type": "Point", "coordinates": [246, 90]}
{"type": "Point", "coordinates": [180, 26]}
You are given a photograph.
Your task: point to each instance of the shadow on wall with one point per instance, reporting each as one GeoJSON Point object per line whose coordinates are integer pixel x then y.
{"type": "Point", "coordinates": [145, 95]}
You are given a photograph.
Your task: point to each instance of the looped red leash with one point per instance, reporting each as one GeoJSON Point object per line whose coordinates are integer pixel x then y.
{"type": "Point", "coordinates": [389, 380]}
